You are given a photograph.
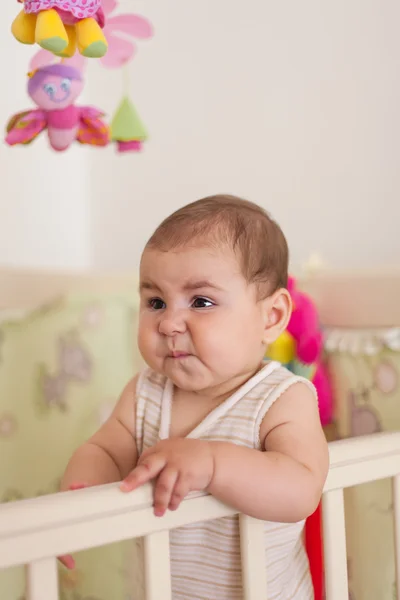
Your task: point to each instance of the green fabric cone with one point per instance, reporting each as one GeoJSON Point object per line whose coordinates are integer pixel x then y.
{"type": "Point", "coordinates": [126, 124]}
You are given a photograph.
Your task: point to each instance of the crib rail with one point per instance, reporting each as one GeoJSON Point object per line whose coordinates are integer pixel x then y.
{"type": "Point", "coordinates": [34, 531]}
{"type": "Point", "coordinates": [354, 462]}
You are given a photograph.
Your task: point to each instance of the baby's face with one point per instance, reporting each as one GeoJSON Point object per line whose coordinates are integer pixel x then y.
{"type": "Point", "coordinates": [200, 322]}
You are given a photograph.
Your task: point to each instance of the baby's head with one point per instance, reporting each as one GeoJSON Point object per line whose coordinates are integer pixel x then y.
{"type": "Point", "coordinates": [213, 280]}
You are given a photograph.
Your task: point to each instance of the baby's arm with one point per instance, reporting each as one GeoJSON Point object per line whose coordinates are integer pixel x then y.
{"type": "Point", "coordinates": [285, 482]}
{"type": "Point", "coordinates": [110, 454]}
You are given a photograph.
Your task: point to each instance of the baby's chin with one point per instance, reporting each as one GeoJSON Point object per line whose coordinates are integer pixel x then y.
{"type": "Point", "coordinates": [187, 374]}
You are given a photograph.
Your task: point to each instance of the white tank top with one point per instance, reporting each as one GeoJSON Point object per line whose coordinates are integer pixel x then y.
{"type": "Point", "coordinates": [205, 556]}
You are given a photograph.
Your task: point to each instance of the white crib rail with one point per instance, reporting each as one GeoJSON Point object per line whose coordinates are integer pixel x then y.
{"type": "Point", "coordinates": [353, 462]}
{"type": "Point", "coordinates": [34, 531]}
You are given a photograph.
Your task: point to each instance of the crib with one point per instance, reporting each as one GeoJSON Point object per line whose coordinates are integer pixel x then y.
{"type": "Point", "coordinates": [34, 531]}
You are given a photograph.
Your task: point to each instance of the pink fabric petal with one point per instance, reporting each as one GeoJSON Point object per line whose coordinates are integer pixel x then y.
{"type": "Point", "coordinates": [41, 59]}
{"type": "Point", "coordinates": [108, 6]}
{"type": "Point", "coordinates": [44, 58]}
{"type": "Point", "coordinates": [25, 127]}
{"type": "Point", "coordinates": [119, 52]}
{"type": "Point", "coordinates": [133, 25]}
{"type": "Point", "coordinates": [78, 61]}
{"type": "Point", "coordinates": [93, 130]}
{"type": "Point", "coordinates": [91, 112]}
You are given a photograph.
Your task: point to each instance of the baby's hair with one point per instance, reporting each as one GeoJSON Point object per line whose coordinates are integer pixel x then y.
{"type": "Point", "coordinates": [242, 225]}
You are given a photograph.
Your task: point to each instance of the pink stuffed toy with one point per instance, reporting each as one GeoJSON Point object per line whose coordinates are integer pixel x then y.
{"type": "Point", "coordinates": [62, 25]}
{"type": "Point", "coordinates": [54, 89]}
{"type": "Point", "coordinates": [304, 327]}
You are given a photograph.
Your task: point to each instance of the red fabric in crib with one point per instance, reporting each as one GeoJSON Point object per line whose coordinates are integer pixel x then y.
{"type": "Point", "coordinates": [313, 542]}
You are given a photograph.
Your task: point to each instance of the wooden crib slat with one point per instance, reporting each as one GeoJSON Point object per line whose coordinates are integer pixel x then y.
{"type": "Point", "coordinates": [396, 529]}
{"type": "Point", "coordinates": [42, 580]}
{"type": "Point", "coordinates": [252, 548]}
{"type": "Point", "coordinates": [157, 566]}
{"type": "Point", "coordinates": [334, 528]}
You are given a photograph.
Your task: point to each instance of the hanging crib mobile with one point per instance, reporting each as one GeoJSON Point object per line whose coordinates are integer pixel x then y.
{"type": "Point", "coordinates": [69, 32]}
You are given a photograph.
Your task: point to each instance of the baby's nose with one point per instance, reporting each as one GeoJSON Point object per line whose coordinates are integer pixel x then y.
{"type": "Point", "coordinates": [172, 322]}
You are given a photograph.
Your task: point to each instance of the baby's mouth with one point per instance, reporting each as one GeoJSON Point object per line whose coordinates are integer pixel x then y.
{"type": "Point", "coordinates": [176, 354]}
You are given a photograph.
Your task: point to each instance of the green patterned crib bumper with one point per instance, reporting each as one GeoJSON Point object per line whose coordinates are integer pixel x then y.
{"type": "Point", "coordinates": [365, 369]}
{"type": "Point", "coordinates": [61, 370]}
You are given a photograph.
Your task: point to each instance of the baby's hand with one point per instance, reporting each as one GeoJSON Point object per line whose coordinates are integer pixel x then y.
{"type": "Point", "coordinates": [180, 466]}
{"type": "Point", "coordinates": [67, 560]}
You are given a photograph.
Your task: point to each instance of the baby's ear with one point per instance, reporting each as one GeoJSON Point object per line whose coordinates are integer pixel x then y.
{"type": "Point", "coordinates": [277, 312]}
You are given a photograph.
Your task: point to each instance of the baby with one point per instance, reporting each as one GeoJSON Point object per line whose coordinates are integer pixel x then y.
{"type": "Point", "coordinates": [209, 413]}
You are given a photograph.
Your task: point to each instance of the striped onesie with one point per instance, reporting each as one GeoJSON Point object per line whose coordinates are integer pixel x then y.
{"type": "Point", "coordinates": [205, 556]}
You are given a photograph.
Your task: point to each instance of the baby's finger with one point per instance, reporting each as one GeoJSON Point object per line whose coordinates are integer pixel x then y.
{"type": "Point", "coordinates": [67, 560]}
{"type": "Point", "coordinates": [78, 485]}
{"type": "Point", "coordinates": [163, 490]}
{"type": "Point", "coordinates": [179, 493]}
{"type": "Point", "coordinates": [144, 472]}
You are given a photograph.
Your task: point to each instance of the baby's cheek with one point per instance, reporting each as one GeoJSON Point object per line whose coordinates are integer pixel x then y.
{"type": "Point", "coordinates": [214, 345]}
{"type": "Point", "coordinates": [149, 355]}
{"type": "Point", "coordinates": [145, 339]}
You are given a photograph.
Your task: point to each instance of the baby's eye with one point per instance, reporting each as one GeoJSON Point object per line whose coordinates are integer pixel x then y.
{"type": "Point", "coordinates": [202, 303]}
{"type": "Point", "coordinates": [156, 303]}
